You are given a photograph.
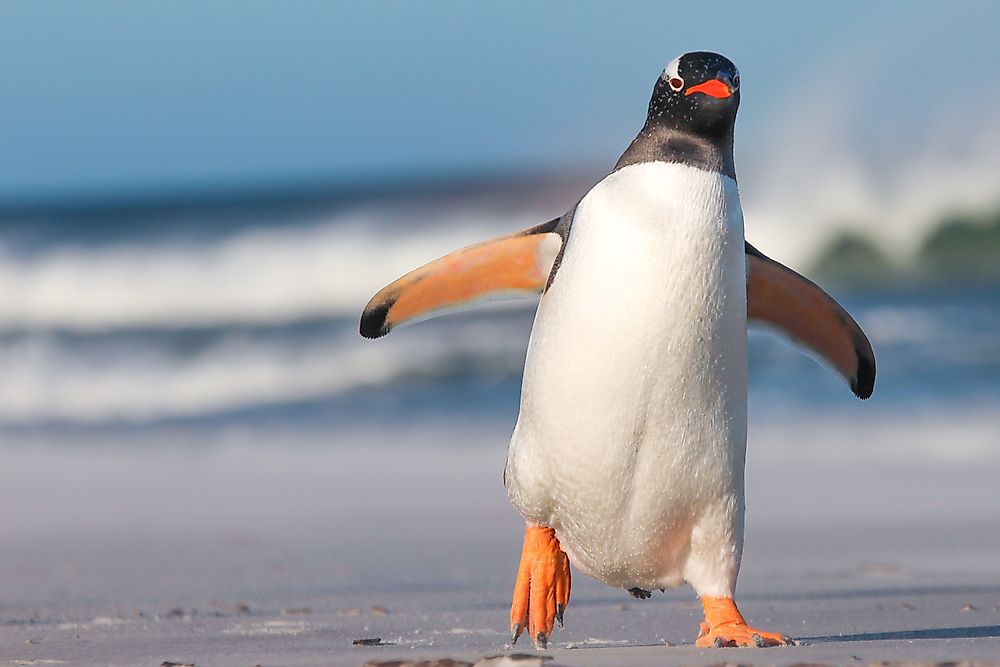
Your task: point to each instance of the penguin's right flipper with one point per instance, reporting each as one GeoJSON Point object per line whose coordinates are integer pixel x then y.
{"type": "Point", "coordinates": [505, 268]}
{"type": "Point", "coordinates": [797, 306]}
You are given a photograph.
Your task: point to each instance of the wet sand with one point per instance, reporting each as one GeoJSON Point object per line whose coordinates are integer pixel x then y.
{"type": "Point", "coordinates": [269, 549]}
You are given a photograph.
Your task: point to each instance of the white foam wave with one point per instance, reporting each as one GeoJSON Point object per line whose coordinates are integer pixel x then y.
{"type": "Point", "coordinates": [822, 166]}
{"type": "Point", "coordinates": [44, 380]}
{"type": "Point", "coordinates": [257, 275]}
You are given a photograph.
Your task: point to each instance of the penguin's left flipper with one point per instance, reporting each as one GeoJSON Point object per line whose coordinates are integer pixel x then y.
{"type": "Point", "coordinates": [781, 297]}
{"type": "Point", "coordinates": [509, 267]}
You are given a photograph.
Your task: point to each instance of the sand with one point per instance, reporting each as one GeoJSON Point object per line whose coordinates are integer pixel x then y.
{"type": "Point", "coordinates": [276, 549]}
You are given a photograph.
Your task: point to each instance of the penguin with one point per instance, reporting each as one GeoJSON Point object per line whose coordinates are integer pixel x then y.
{"type": "Point", "coordinates": [627, 458]}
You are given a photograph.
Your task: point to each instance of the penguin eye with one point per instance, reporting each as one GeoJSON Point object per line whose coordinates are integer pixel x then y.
{"type": "Point", "coordinates": [736, 82]}
{"type": "Point", "coordinates": [675, 83]}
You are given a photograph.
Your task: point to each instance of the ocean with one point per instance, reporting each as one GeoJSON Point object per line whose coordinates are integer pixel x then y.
{"type": "Point", "coordinates": [134, 322]}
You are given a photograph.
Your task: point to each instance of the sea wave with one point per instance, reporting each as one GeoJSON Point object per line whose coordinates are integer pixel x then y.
{"type": "Point", "coordinates": [252, 275]}
{"type": "Point", "coordinates": [156, 375]}
{"type": "Point", "coordinates": [932, 350]}
{"type": "Point", "coordinates": [158, 318]}
{"type": "Point", "coordinates": [159, 321]}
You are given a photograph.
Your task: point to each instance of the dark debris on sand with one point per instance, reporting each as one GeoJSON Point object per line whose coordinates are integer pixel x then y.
{"type": "Point", "coordinates": [368, 641]}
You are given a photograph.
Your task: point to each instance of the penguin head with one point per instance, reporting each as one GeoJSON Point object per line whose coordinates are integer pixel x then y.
{"type": "Point", "coordinates": [698, 93]}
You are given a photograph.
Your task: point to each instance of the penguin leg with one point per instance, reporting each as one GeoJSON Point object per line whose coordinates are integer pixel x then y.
{"type": "Point", "coordinates": [725, 626]}
{"type": "Point", "coordinates": [541, 592]}
{"type": "Point", "coordinates": [712, 568]}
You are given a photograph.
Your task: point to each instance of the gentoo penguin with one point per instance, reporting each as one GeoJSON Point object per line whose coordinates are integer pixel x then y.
{"type": "Point", "coordinates": [627, 459]}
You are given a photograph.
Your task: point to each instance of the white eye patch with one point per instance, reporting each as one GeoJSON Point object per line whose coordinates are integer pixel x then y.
{"type": "Point", "coordinates": [670, 71]}
{"type": "Point", "coordinates": [671, 76]}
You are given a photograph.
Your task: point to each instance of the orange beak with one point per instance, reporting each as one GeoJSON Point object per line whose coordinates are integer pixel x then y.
{"type": "Point", "coordinates": [712, 87]}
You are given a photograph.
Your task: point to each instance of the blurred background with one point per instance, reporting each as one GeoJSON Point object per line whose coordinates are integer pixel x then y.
{"type": "Point", "coordinates": [197, 200]}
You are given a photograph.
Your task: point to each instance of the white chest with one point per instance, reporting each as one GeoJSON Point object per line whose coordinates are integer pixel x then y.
{"type": "Point", "coordinates": [633, 409]}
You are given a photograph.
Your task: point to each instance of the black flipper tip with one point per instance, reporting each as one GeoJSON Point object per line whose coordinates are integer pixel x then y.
{"type": "Point", "coordinates": [373, 321]}
{"type": "Point", "coordinates": [863, 383]}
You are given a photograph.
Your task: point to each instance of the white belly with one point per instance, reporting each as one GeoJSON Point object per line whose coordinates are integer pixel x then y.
{"type": "Point", "coordinates": [632, 433]}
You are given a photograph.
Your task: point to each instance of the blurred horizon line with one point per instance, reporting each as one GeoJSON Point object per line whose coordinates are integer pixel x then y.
{"type": "Point", "coordinates": [289, 191]}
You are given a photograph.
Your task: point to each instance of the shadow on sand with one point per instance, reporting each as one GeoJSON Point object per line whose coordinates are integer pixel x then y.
{"type": "Point", "coordinates": [971, 632]}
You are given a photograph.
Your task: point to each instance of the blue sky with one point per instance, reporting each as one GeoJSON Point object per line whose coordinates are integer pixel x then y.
{"type": "Point", "coordinates": [113, 98]}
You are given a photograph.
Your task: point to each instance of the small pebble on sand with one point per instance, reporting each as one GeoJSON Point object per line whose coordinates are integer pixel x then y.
{"type": "Point", "coordinates": [371, 641]}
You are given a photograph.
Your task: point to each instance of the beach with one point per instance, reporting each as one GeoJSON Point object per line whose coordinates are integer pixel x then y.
{"type": "Point", "coordinates": [864, 542]}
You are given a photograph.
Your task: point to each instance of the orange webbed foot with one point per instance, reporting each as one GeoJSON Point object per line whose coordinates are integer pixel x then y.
{"type": "Point", "coordinates": [724, 627]}
{"type": "Point", "coordinates": [542, 589]}
{"type": "Point", "coordinates": [740, 635]}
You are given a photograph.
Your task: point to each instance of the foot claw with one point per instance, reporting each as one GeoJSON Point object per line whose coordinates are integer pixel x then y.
{"type": "Point", "coordinates": [541, 641]}
{"type": "Point", "coordinates": [758, 640]}
{"type": "Point", "coordinates": [560, 610]}
{"type": "Point", "coordinates": [515, 631]}
{"type": "Point", "coordinates": [718, 643]}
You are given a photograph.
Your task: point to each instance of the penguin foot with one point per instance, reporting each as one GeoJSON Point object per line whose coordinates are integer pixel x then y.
{"type": "Point", "coordinates": [724, 627]}
{"type": "Point", "coordinates": [542, 589]}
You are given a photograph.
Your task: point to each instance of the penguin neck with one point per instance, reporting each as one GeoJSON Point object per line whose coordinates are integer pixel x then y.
{"type": "Point", "coordinates": [660, 143]}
